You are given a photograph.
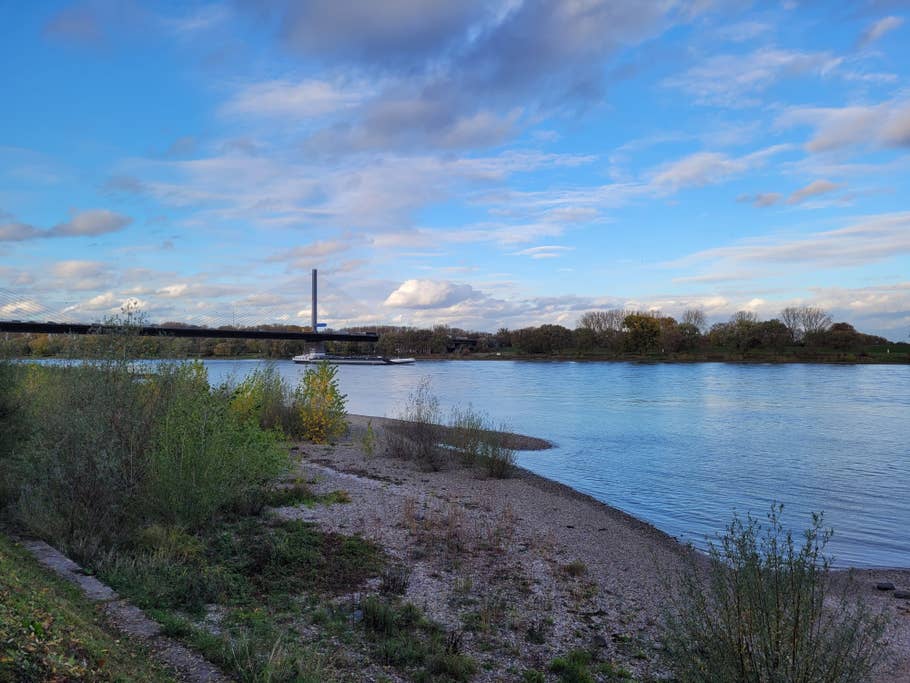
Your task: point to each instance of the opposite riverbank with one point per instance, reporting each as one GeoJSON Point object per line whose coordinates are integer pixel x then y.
{"type": "Point", "coordinates": [526, 568]}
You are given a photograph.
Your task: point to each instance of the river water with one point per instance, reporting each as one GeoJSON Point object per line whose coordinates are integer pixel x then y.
{"type": "Point", "coordinates": [684, 445]}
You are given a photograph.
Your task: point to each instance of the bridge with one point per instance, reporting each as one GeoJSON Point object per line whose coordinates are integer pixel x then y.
{"type": "Point", "coordinates": [262, 331]}
{"type": "Point", "coordinates": [19, 326]}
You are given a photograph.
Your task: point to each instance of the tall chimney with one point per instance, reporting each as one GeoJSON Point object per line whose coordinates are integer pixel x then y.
{"type": "Point", "coordinates": [313, 310]}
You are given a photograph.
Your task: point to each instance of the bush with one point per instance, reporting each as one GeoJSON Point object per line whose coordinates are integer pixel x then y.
{"type": "Point", "coordinates": [74, 477]}
{"type": "Point", "coordinates": [321, 404]}
{"type": "Point", "coordinates": [416, 437]}
{"type": "Point", "coordinates": [263, 398]}
{"type": "Point", "coordinates": [758, 614]}
{"type": "Point", "coordinates": [498, 459]}
{"type": "Point", "coordinates": [203, 458]}
{"type": "Point", "coordinates": [108, 450]}
{"type": "Point", "coordinates": [467, 433]}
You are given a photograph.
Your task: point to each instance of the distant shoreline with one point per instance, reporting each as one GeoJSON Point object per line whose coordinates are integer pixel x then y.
{"type": "Point", "coordinates": [894, 359]}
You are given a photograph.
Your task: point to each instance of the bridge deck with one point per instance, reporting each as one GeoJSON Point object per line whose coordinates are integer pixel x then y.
{"type": "Point", "coordinates": [204, 332]}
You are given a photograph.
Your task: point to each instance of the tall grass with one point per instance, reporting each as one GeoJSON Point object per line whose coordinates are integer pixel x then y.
{"type": "Point", "coordinates": [764, 610]}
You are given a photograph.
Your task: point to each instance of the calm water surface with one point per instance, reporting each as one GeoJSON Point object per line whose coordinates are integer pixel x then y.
{"type": "Point", "coordinates": [683, 445]}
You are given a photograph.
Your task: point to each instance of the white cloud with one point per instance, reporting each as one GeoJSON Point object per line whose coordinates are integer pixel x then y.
{"type": "Point", "coordinates": [92, 222]}
{"type": "Point", "coordinates": [706, 168]}
{"type": "Point", "coordinates": [83, 224]}
{"type": "Point", "coordinates": [873, 238]}
{"type": "Point", "coordinates": [879, 29]}
{"type": "Point", "coordinates": [881, 125]}
{"type": "Point", "coordinates": [301, 99]}
{"type": "Point", "coordinates": [813, 189]}
{"type": "Point", "coordinates": [545, 251]}
{"type": "Point", "coordinates": [736, 80]}
{"type": "Point", "coordinates": [428, 294]}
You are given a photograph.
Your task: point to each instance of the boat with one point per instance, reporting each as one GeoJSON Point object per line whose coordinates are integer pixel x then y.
{"type": "Point", "coordinates": [319, 357]}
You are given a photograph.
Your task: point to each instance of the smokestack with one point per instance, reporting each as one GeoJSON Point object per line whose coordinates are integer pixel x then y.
{"type": "Point", "coordinates": [313, 310]}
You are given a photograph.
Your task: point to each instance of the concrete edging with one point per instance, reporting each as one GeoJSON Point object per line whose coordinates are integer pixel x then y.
{"type": "Point", "coordinates": [126, 617]}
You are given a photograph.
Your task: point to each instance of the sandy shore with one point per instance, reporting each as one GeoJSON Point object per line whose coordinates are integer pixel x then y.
{"type": "Point", "coordinates": [526, 568]}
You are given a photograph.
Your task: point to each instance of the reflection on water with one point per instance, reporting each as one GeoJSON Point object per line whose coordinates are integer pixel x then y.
{"type": "Point", "coordinates": [683, 445]}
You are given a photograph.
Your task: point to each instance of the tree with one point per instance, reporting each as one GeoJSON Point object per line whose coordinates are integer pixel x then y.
{"type": "Point", "coordinates": [642, 332]}
{"type": "Point", "coordinates": [695, 317]}
{"type": "Point", "coordinates": [803, 320]}
{"type": "Point", "coordinates": [814, 320]}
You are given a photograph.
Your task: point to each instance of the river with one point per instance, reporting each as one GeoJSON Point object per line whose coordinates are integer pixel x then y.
{"type": "Point", "coordinates": [684, 445]}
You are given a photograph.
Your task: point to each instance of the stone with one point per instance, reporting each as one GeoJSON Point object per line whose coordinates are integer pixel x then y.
{"type": "Point", "coordinates": [885, 586]}
{"type": "Point", "coordinates": [903, 595]}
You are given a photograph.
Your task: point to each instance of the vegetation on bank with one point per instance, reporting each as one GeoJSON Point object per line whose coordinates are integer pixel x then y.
{"type": "Point", "coordinates": [50, 632]}
{"type": "Point", "coordinates": [471, 437]}
{"type": "Point", "coordinates": [159, 483]}
{"type": "Point", "coordinates": [798, 334]}
{"type": "Point", "coordinates": [758, 612]}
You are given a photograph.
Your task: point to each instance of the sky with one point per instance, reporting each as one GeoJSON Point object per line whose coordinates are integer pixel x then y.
{"type": "Point", "coordinates": [476, 164]}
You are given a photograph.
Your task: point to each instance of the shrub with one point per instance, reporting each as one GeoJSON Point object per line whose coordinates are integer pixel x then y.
{"type": "Point", "coordinates": [416, 437]}
{"type": "Point", "coordinates": [203, 458]}
{"type": "Point", "coordinates": [74, 478]}
{"type": "Point", "coordinates": [368, 440]}
{"type": "Point", "coordinates": [263, 398]}
{"type": "Point", "coordinates": [467, 433]}
{"type": "Point", "coordinates": [108, 450]}
{"type": "Point", "coordinates": [758, 612]}
{"type": "Point", "coordinates": [321, 404]}
{"type": "Point", "coordinates": [498, 459]}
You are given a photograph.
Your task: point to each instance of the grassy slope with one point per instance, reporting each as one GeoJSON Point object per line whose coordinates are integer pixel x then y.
{"type": "Point", "coordinates": [49, 631]}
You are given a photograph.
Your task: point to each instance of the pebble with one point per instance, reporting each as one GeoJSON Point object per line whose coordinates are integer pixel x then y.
{"type": "Point", "coordinates": [903, 595]}
{"type": "Point", "coordinates": [885, 586]}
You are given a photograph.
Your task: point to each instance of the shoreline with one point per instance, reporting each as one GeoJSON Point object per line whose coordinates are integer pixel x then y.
{"type": "Point", "coordinates": [596, 576]}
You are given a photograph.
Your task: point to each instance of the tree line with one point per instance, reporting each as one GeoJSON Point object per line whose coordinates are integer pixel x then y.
{"type": "Point", "coordinates": [803, 331]}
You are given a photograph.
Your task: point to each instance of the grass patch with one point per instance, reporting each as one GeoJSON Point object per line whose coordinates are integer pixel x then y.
{"type": "Point", "coordinates": [49, 631]}
{"type": "Point", "coordinates": [579, 666]}
{"type": "Point", "coordinates": [299, 493]}
{"type": "Point", "coordinates": [403, 637]}
{"type": "Point", "coordinates": [238, 563]}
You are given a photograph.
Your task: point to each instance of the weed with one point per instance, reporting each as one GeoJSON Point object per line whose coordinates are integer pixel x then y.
{"type": "Point", "coordinates": [574, 667]}
{"type": "Point", "coordinates": [498, 459]}
{"type": "Point", "coordinates": [467, 432]}
{"type": "Point", "coordinates": [574, 569]}
{"type": "Point", "coordinates": [394, 579]}
{"type": "Point", "coordinates": [368, 440]}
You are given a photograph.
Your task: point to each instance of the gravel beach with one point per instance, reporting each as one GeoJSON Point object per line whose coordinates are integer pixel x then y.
{"type": "Point", "coordinates": [525, 568]}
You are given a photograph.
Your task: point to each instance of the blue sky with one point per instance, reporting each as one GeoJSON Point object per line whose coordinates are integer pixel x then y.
{"type": "Point", "coordinates": [479, 164]}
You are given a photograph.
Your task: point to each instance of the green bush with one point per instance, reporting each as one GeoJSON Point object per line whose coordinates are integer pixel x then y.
{"type": "Point", "coordinates": [758, 613]}
{"type": "Point", "coordinates": [467, 433]}
{"type": "Point", "coordinates": [321, 405]}
{"type": "Point", "coordinates": [263, 398]}
{"type": "Point", "coordinates": [103, 450]}
{"type": "Point", "coordinates": [74, 478]}
{"type": "Point", "coordinates": [203, 457]}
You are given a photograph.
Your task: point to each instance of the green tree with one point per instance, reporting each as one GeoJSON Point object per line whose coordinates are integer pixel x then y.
{"type": "Point", "coordinates": [321, 404]}
{"type": "Point", "coordinates": [642, 332]}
